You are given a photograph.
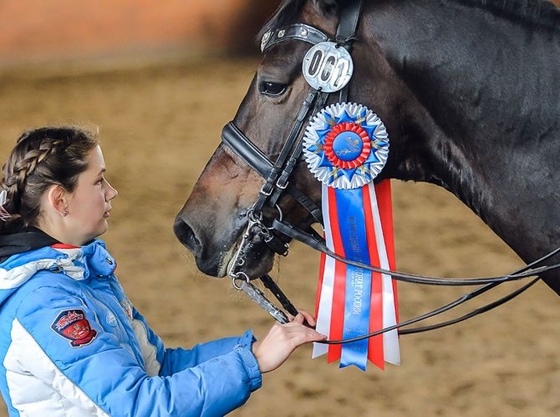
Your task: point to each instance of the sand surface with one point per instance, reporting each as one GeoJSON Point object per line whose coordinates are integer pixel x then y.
{"type": "Point", "coordinates": [160, 124]}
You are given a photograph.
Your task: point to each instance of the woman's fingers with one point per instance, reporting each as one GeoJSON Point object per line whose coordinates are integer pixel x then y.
{"type": "Point", "coordinates": [308, 318]}
{"type": "Point", "coordinates": [282, 339]}
{"type": "Point", "coordinates": [304, 317]}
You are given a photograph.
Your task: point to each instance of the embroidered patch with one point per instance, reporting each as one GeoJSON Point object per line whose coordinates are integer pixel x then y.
{"type": "Point", "coordinates": [73, 325]}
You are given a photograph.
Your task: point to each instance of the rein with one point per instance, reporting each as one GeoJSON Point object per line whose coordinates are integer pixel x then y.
{"type": "Point", "coordinates": [277, 183]}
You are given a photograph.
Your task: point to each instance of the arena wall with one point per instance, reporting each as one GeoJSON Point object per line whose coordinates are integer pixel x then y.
{"type": "Point", "coordinates": [51, 30]}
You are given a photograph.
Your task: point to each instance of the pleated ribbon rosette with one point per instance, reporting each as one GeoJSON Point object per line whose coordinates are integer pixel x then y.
{"type": "Point", "coordinates": [346, 146]}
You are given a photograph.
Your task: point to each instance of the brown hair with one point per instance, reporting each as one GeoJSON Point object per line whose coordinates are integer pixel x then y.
{"type": "Point", "coordinates": [41, 158]}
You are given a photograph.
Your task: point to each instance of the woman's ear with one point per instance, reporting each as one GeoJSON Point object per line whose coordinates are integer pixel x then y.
{"type": "Point", "coordinates": [57, 200]}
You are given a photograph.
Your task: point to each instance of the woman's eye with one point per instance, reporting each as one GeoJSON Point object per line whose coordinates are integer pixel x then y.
{"type": "Point", "coordinates": [272, 89]}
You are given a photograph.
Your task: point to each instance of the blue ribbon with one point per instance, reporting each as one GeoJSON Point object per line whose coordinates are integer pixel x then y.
{"type": "Point", "coordinates": [351, 218]}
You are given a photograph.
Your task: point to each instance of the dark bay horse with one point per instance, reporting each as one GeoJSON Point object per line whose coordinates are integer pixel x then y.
{"type": "Point", "coordinates": [469, 91]}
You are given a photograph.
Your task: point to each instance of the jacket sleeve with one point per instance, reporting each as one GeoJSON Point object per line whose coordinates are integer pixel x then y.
{"type": "Point", "coordinates": [172, 360]}
{"type": "Point", "coordinates": [209, 380]}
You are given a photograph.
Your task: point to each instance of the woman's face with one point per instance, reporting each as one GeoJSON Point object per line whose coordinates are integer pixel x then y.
{"type": "Point", "coordinates": [90, 202]}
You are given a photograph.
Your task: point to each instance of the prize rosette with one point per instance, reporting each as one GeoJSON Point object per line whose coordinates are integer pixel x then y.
{"type": "Point", "coordinates": [346, 145]}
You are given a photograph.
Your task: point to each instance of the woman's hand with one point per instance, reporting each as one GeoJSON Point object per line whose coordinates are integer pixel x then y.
{"type": "Point", "coordinates": [279, 343]}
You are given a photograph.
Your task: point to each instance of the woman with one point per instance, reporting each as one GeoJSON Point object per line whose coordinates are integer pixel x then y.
{"type": "Point", "coordinates": [72, 343]}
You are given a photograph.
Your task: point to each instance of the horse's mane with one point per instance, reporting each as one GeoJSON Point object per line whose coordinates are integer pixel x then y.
{"type": "Point", "coordinates": [538, 12]}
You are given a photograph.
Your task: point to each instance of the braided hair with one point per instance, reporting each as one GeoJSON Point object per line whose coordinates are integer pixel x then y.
{"type": "Point", "coordinates": [41, 158]}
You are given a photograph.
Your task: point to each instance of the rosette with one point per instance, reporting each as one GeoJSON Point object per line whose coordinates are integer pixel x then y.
{"type": "Point", "coordinates": [346, 145]}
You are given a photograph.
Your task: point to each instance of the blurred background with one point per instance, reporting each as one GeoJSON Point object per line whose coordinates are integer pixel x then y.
{"type": "Point", "coordinates": [159, 79]}
{"type": "Point", "coordinates": [39, 31]}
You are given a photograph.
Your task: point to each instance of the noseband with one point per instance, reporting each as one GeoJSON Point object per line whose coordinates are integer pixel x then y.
{"type": "Point", "coordinates": [277, 182]}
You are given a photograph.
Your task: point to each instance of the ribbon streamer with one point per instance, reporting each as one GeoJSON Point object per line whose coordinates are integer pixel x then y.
{"type": "Point", "coordinates": [346, 146]}
{"type": "Point", "coordinates": [353, 301]}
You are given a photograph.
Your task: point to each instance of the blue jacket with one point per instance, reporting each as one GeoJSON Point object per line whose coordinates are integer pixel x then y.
{"type": "Point", "coordinates": [71, 343]}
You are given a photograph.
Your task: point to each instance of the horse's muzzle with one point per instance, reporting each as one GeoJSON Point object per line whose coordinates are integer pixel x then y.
{"type": "Point", "coordinates": [207, 264]}
{"type": "Point", "coordinates": [212, 258]}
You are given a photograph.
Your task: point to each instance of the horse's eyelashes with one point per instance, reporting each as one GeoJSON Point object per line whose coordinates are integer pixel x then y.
{"type": "Point", "coordinates": [272, 89]}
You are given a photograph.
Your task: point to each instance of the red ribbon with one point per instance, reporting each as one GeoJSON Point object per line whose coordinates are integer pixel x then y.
{"type": "Point", "coordinates": [376, 353]}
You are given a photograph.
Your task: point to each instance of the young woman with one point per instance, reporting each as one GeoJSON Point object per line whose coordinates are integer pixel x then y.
{"type": "Point", "coordinates": [71, 342]}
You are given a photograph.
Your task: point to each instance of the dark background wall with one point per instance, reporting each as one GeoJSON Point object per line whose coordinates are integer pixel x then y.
{"type": "Point", "coordinates": [51, 30]}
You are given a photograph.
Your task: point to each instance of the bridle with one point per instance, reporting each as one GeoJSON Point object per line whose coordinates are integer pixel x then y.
{"type": "Point", "coordinates": [277, 182]}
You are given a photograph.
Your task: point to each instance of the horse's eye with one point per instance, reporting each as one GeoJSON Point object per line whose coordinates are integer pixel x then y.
{"type": "Point", "coordinates": [272, 89]}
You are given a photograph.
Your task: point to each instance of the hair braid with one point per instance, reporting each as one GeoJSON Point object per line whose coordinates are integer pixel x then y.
{"type": "Point", "coordinates": [16, 174]}
{"type": "Point", "coordinates": [41, 158]}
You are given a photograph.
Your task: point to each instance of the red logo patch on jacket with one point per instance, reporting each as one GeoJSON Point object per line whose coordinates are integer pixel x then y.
{"type": "Point", "coordinates": [73, 325]}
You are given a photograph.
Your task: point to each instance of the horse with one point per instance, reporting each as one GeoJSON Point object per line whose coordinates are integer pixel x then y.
{"type": "Point", "coordinates": [468, 92]}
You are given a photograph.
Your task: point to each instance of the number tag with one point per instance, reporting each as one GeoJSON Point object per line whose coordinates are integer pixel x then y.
{"type": "Point", "coordinates": [327, 67]}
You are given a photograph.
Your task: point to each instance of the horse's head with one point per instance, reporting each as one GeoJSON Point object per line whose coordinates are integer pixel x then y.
{"type": "Point", "coordinates": [214, 218]}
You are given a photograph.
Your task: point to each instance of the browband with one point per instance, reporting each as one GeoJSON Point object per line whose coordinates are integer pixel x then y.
{"type": "Point", "coordinates": [296, 31]}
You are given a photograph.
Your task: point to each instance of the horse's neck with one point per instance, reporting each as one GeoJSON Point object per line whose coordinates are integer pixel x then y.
{"type": "Point", "coordinates": [491, 89]}
{"type": "Point", "coordinates": [469, 61]}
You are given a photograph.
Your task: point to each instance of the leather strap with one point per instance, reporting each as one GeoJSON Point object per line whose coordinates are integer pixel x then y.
{"type": "Point", "coordinates": [348, 22]}
{"type": "Point", "coordinates": [246, 150]}
{"type": "Point", "coordinates": [259, 162]}
{"type": "Point", "coordinates": [297, 31]}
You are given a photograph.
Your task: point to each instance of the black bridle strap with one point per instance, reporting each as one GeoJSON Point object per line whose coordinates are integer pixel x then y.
{"type": "Point", "coordinates": [279, 315]}
{"type": "Point", "coordinates": [259, 162]}
{"type": "Point", "coordinates": [469, 296]}
{"type": "Point", "coordinates": [288, 149]}
{"type": "Point", "coordinates": [277, 174]}
{"type": "Point", "coordinates": [277, 179]}
{"type": "Point", "coordinates": [297, 31]}
{"type": "Point", "coordinates": [348, 23]}
{"type": "Point", "coordinates": [291, 163]}
{"type": "Point", "coordinates": [319, 245]}
{"type": "Point", "coordinates": [476, 312]}
{"type": "Point", "coordinates": [466, 297]}
{"type": "Point", "coordinates": [246, 150]}
{"type": "Point", "coordinates": [271, 285]}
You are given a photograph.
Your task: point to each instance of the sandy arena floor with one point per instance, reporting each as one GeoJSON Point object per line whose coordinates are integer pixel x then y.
{"type": "Point", "coordinates": [159, 124]}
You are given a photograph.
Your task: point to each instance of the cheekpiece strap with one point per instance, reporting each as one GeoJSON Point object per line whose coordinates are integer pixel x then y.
{"type": "Point", "coordinates": [297, 31]}
{"type": "Point", "coordinates": [259, 162]}
{"type": "Point", "coordinates": [349, 17]}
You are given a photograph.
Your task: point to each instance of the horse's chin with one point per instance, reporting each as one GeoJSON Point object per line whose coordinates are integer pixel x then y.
{"type": "Point", "coordinates": [259, 261]}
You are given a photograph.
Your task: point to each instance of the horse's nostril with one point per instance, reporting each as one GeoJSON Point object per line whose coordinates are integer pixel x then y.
{"type": "Point", "coordinates": [186, 236]}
